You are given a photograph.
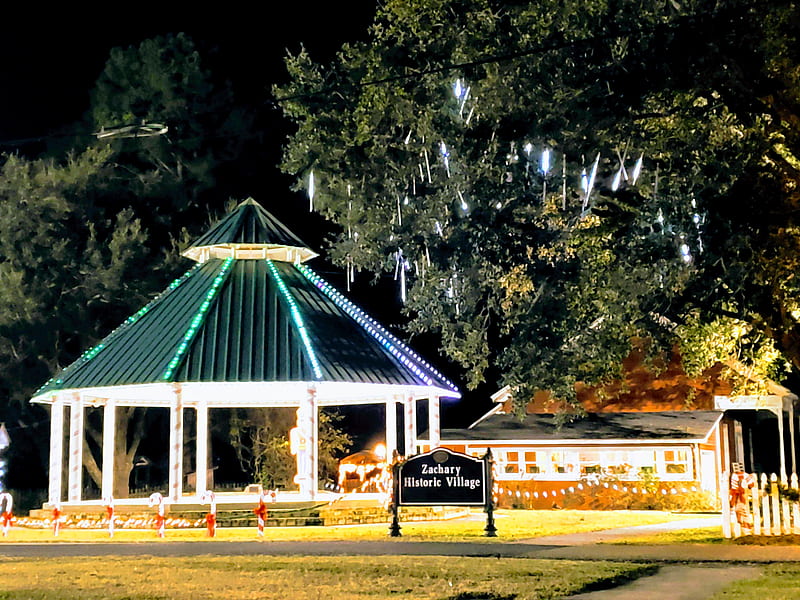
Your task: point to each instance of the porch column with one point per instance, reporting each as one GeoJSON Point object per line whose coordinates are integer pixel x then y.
{"type": "Point", "coordinates": [781, 444]}
{"type": "Point", "coordinates": [56, 449]}
{"type": "Point", "coordinates": [434, 424]}
{"type": "Point", "coordinates": [410, 426]}
{"type": "Point", "coordinates": [201, 454]}
{"type": "Point", "coordinates": [792, 442]}
{"type": "Point", "coordinates": [109, 433]}
{"type": "Point", "coordinates": [176, 445]}
{"type": "Point", "coordinates": [391, 428]}
{"type": "Point", "coordinates": [75, 448]}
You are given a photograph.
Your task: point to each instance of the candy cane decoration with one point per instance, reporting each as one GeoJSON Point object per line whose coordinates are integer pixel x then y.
{"type": "Point", "coordinates": [109, 502]}
{"type": "Point", "coordinates": [6, 502]}
{"type": "Point", "coordinates": [56, 519]}
{"type": "Point", "coordinates": [261, 512]}
{"type": "Point", "coordinates": [157, 499]}
{"type": "Point", "coordinates": [211, 516]}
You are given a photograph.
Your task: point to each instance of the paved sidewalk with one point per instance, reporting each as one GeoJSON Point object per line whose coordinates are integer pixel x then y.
{"type": "Point", "coordinates": [608, 535]}
{"type": "Point", "coordinates": [590, 546]}
{"type": "Point", "coordinates": [676, 583]}
{"type": "Point", "coordinates": [687, 571]}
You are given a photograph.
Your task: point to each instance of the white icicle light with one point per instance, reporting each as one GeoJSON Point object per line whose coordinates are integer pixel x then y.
{"type": "Point", "coordinates": [445, 157]}
{"type": "Point", "coordinates": [686, 254]}
{"type": "Point", "coordinates": [311, 191]}
{"type": "Point", "coordinates": [617, 180]}
{"type": "Point", "coordinates": [590, 183]}
{"type": "Point", "coordinates": [464, 205]}
{"type": "Point", "coordinates": [637, 169]}
{"type": "Point", "coordinates": [401, 266]}
{"type": "Point", "coordinates": [544, 164]}
{"type": "Point", "coordinates": [458, 89]}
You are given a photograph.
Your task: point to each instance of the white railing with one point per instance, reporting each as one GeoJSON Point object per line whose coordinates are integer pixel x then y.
{"type": "Point", "coordinates": [759, 505]}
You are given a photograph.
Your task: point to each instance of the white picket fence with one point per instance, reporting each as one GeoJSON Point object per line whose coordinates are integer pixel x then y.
{"type": "Point", "coordinates": [766, 511]}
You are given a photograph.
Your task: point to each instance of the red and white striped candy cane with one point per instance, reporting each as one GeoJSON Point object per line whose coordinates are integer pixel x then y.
{"type": "Point", "coordinates": [109, 502]}
{"type": "Point", "coordinates": [211, 517]}
{"type": "Point", "coordinates": [157, 499]}
{"type": "Point", "coordinates": [6, 502]}
{"type": "Point", "coordinates": [261, 513]}
{"type": "Point", "coordinates": [56, 519]}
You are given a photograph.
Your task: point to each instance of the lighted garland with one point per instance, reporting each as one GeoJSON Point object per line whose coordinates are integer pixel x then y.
{"type": "Point", "coordinates": [297, 318]}
{"type": "Point", "coordinates": [95, 350]}
{"type": "Point", "coordinates": [197, 320]}
{"type": "Point", "coordinates": [387, 340]}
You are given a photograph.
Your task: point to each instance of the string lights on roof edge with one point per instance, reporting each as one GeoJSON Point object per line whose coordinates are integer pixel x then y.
{"type": "Point", "coordinates": [403, 353]}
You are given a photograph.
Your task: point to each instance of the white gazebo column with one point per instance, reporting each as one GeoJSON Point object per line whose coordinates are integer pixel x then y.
{"type": "Point", "coordinates": [304, 445]}
{"type": "Point", "coordinates": [75, 448]}
{"type": "Point", "coordinates": [410, 426]}
{"type": "Point", "coordinates": [56, 449]}
{"type": "Point", "coordinates": [201, 454]}
{"type": "Point", "coordinates": [176, 445]}
{"type": "Point", "coordinates": [434, 423]}
{"type": "Point", "coordinates": [312, 399]}
{"type": "Point", "coordinates": [391, 428]}
{"type": "Point", "coordinates": [109, 434]}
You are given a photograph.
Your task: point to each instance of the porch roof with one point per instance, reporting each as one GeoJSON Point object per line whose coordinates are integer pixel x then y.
{"type": "Point", "coordinates": [627, 427]}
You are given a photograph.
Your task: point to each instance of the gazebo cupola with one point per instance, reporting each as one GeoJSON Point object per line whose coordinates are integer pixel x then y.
{"type": "Point", "coordinates": [249, 325]}
{"type": "Point", "coordinates": [250, 233]}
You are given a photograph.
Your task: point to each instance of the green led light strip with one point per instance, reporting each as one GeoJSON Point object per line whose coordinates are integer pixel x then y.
{"type": "Point", "coordinates": [297, 318]}
{"type": "Point", "coordinates": [95, 350]}
{"type": "Point", "coordinates": [197, 320]}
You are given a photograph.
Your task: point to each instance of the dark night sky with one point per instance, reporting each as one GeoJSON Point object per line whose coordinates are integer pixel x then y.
{"type": "Point", "coordinates": [47, 70]}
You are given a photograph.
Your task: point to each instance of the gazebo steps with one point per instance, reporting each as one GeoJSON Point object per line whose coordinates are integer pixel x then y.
{"type": "Point", "coordinates": [354, 515]}
{"type": "Point", "coordinates": [301, 514]}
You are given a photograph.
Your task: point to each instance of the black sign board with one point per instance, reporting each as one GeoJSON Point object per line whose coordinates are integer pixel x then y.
{"type": "Point", "coordinates": [442, 477]}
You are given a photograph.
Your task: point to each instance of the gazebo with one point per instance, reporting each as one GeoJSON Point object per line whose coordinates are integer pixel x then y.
{"type": "Point", "coordinates": [250, 326]}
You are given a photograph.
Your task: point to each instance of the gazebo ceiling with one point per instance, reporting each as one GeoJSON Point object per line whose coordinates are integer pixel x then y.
{"type": "Point", "coordinates": [253, 317]}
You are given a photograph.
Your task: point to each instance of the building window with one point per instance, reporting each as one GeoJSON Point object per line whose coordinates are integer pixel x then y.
{"type": "Point", "coordinates": [531, 464]}
{"type": "Point", "coordinates": [643, 462]}
{"type": "Point", "coordinates": [563, 463]}
{"type": "Point", "coordinates": [676, 462]}
{"type": "Point", "coordinates": [512, 462]}
{"type": "Point", "coordinates": [590, 463]}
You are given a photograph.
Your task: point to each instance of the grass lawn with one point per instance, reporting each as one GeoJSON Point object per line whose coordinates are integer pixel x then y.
{"type": "Point", "coordinates": [299, 578]}
{"type": "Point", "coordinates": [700, 535]}
{"type": "Point", "coordinates": [779, 582]}
{"type": "Point", "coordinates": [375, 578]}
{"type": "Point", "coordinates": [511, 525]}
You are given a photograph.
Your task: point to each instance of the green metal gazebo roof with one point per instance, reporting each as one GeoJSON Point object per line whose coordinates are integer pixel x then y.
{"type": "Point", "coordinates": [248, 317]}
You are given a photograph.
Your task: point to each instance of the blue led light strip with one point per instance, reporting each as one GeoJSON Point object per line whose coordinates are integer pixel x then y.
{"type": "Point", "coordinates": [399, 350]}
{"type": "Point", "coordinates": [297, 318]}
{"type": "Point", "coordinates": [197, 320]}
{"type": "Point", "coordinates": [95, 350]}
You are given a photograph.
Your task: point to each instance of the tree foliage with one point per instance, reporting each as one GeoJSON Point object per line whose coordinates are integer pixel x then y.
{"type": "Point", "coordinates": [426, 145]}
{"type": "Point", "coordinates": [67, 273]}
{"type": "Point", "coordinates": [90, 237]}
